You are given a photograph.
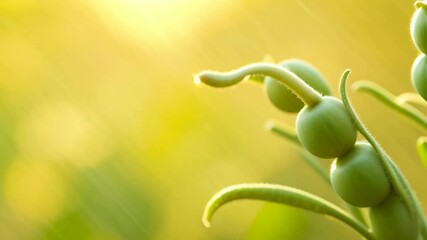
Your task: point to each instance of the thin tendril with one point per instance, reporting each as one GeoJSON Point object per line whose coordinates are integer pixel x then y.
{"type": "Point", "coordinates": [396, 177]}
{"type": "Point", "coordinates": [315, 165]}
{"type": "Point", "coordinates": [288, 134]}
{"type": "Point", "coordinates": [284, 195]}
{"type": "Point", "coordinates": [304, 91]}
{"type": "Point", "coordinates": [257, 78]}
{"type": "Point", "coordinates": [392, 101]}
{"type": "Point", "coordinates": [283, 131]}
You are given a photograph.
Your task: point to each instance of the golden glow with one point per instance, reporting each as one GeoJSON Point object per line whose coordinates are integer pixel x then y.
{"type": "Point", "coordinates": [158, 21]}
{"type": "Point", "coordinates": [16, 4]}
{"type": "Point", "coordinates": [34, 190]}
{"type": "Point", "coordinates": [82, 81]}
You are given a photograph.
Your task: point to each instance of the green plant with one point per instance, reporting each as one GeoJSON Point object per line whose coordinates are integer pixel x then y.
{"type": "Point", "coordinates": [419, 26]}
{"type": "Point", "coordinates": [283, 98]}
{"type": "Point", "coordinates": [363, 175]}
{"type": "Point", "coordinates": [419, 73]}
{"type": "Point", "coordinates": [326, 129]}
{"type": "Point", "coordinates": [359, 178]}
{"type": "Point", "coordinates": [392, 220]}
{"type": "Point", "coordinates": [419, 35]}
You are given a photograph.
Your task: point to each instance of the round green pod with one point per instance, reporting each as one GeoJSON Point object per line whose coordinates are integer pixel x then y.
{"type": "Point", "coordinates": [326, 129]}
{"type": "Point", "coordinates": [391, 220]}
{"type": "Point", "coordinates": [419, 75]}
{"type": "Point", "coordinates": [359, 178]}
{"type": "Point", "coordinates": [419, 29]}
{"type": "Point", "coordinates": [283, 98]}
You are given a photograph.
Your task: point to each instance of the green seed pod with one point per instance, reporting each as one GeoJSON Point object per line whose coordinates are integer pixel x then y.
{"type": "Point", "coordinates": [283, 98]}
{"type": "Point", "coordinates": [359, 178]}
{"type": "Point", "coordinates": [419, 28]}
{"type": "Point", "coordinates": [326, 129]}
{"type": "Point", "coordinates": [419, 75]}
{"type": "Point", "coordinates": [391, 220]}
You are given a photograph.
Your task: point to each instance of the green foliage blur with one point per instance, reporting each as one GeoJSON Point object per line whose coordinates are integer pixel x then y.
{"type": "Point", "coordinates": [103, 134]}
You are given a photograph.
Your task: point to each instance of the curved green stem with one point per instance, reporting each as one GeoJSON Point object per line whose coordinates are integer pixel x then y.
{"type": "Point", "coordinates": [258, 78]}
{"type": "Point", "coordinates": [413, 198]}
{"type": "Point", "coordinates": [284, 195]}
{"type": "Point", "coordinates": [397, 179]}
{"type": "Point", "coordinates": [283, 131]}
{"type": "Point", "coordinates": [356, 212]}
{"type": "Point", "coordinates": [290, 135]}
{"type": "Point", "coordinates": [310, 160]}
{"type": "Point", "coordinates": [392, 101]}
{"type": "Point", "coordinates": [306, 93]}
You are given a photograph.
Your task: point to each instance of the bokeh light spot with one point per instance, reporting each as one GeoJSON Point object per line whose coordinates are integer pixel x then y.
{"type": "Point", "coordinates": [158, 22]}
{"type": "Point", "coordinates": [60, 131]}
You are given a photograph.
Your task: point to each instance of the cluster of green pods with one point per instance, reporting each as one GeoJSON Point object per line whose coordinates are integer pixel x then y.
{"type": "Point", "coordinates": [357, 175]}
{"type": "Point", "coordinates": [283, 98]}
{"type": "Point", "coordinates": [360, 180]}
{"type": "Point", "coordinates": [326, 130]}
{"type": "Point", "coordinates": [419, 36]}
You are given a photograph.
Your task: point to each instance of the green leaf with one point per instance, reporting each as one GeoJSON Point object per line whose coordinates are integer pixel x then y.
{"type": "Point", "coordinates": [285, 195]}
{"type": "Point", "coordinates": [392, 101]}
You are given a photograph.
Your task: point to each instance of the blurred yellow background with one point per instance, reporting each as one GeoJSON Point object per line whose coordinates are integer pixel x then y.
{"type": "Point", "coordinates": [105, 136]}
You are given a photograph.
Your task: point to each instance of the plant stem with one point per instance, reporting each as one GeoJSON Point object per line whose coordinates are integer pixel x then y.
{"type": "Point", "coordinates": [419, 211]}
{"type": "Point", "coordinates": [397, 179]}
{"type": "Point", "coordinates": [283, 131]}
{"type": "Point", "coordinates": [392, 101]}
{"type": "Point", "coordinates": [288, 134]}
{"type": "Point", "coordinates": [284, 195]}
{"type": "Point", "coordinates": [310, 160]}
{"type": "Point", "coordinates": [306, 93]}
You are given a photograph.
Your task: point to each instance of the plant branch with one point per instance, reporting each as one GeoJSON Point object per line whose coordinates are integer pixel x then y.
{"type": "Point", "coordinates": [392, 101]}
{"type": "Point", "coordinates": [284, 195]}
{"type": "Point", "coordinates": [397, 179]}
{"type": "Point", "coordinates": [304, 91]}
